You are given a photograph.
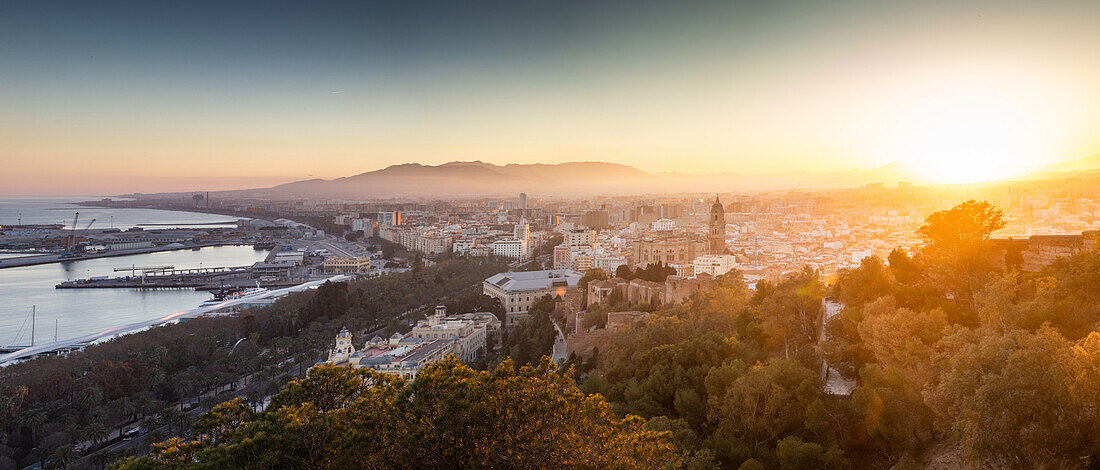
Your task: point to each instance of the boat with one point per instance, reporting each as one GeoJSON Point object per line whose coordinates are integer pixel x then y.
{"type": "Point", "coordinates": [223, 296]}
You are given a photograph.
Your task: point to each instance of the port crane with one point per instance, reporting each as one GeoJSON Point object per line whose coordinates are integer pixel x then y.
{"type": "Point", "coordinates": [70, 243]}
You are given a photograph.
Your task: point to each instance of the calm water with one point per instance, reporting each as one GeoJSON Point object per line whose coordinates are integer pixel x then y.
{"type": "Point", "coordinates": [82, 311]}
{"type": "Point", "coordinates": [60, 210]}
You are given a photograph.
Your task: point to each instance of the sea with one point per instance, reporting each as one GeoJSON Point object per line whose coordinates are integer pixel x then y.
{"type": "Point", "coordinates": [67, 313]}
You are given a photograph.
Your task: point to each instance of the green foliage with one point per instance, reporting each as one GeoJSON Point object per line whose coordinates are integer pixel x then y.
{"type": "Point", "coordinates": [1011, 398]}
{"type": "Point", "coordinates": [534, 337]}
{"type": "Point", "coordinates": [656, 272]}
{"type": "Point", "coordinates": [958, 250]}
{"type": "Point", "coordinates": [449, 416]}
{"type": "Point", "coordinates": [165, 369]}
{"type": "Point", "coordinates": [794, 454]}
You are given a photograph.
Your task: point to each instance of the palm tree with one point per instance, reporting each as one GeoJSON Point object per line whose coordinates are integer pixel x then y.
{"type": "Point", "coordinates": [182, 421]}
{"type": "Point", "coordinates": [207, 381]}
{"type": "Point", "coordinates": [102, 459]}
{"type": "Point", "coordinates": [168, 415]}
{"type": "Point", "coordinates": [185, 386]}
{"type": "Point", "coordinates": [63, 457]}
{"type": "Point", "coordinates": [33, 420]}
{"type": "Point", "coordinates": [96, 432]}
{"type": "Point", "coordinates": [155, 377]}
{"type": "Point", "coordinates": [40, 454]}
{"type": "Point", "coordinates": [255, 397]}
{"type": "Point", "coordinates": [129, 408]}
{"type": "Point", "coordinates": [89, 397]}
{"type": "Point", "coordinates": [145, 405]}
{"type": "Point", "coordinates": [176, 420]}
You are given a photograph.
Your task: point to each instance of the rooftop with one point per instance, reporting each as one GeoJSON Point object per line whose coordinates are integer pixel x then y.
{"type": "Point", "coordinates": [524, 281]}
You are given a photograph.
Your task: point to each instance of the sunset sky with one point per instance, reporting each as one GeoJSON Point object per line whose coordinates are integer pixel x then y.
{"type": "Point", "coordinates": [151, 96]}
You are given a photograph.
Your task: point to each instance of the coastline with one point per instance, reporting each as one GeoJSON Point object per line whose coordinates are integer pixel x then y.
{"type": "Point", "coordinates": [206, 211]}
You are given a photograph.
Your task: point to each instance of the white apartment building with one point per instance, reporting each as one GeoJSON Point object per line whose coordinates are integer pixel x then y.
{"type": "Point", "coordinates": [390, 218]}
{"type": "Point", "coordinates": [579, 238]}
{"type": "Point", "coordinates": [663, 225]}
{"type": "Point", "coordinates": [715, 265]}
{"type": "Point", "coordinates": [410, 238]}
{"type": "Point", "coordinates": [518, 291]}
{"type": "Point", "coordinates": [563, 256]}
{"type": "Point", "coordinates": [584, 257]}
{"type": "Point", "coordinates": [366, 225]}
{"type": "Point", "coordinates": [510, 248]}
{"type": "Point", "coordinates": [608, 262]}
{"type": "Point", "coordinates": [521, 231]}
{"type": "Point", "coordinates": [462, 245]}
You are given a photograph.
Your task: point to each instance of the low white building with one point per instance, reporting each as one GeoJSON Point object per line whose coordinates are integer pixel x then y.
{"type": "Point", "coordinates": [714, 265]}
{"type": "Point", "coordinates": [519, 290]}
{"type": "Point", "coordinates": [340, 265]}
{"type": "Point", "coordinates": [464, 336]}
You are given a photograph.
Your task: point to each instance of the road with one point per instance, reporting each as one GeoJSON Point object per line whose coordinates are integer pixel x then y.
{"type": "Point", "coordinates": [240, 390]}
{"type": "Point", "coordinates": [560, 353]}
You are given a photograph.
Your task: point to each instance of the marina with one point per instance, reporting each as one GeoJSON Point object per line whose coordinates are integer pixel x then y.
{"type": "Point", "coordinates": [81, 341]}
{"type": "Point", "coordinates": [81, 311]}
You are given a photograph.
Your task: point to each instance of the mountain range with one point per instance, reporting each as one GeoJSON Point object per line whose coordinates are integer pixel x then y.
{"type": "Point", "coordinates": [567, 179]}
{"type": "Point", "coordinates": [457, 179]}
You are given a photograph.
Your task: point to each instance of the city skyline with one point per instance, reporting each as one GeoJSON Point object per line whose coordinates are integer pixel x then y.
{"type": "Point", "coordinates": [114, 99]}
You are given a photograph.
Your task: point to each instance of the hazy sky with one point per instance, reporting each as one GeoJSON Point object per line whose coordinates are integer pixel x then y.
{"type": "Point", "coordinates": [156, 96]}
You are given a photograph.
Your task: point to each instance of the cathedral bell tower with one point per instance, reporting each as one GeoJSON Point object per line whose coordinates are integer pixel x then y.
{"type": "Point", "coordinates": [716, 237]}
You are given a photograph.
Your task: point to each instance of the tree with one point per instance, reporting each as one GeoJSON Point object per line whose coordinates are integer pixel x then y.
{"type": "Point", "coordinates": [956, 244]}
{"type": "Point", "coordinates": [795, 454]}
{"type": "Point", "coordinates": [789, 313]}
{"type": "Point", "coordinates": [871, 280]}
{"type": "Point", "coordinates": [96, 432]}
{"type": "Point", "coordinates": [901, 337]}
{"type": "Point", "coordinates": [763, 406]}
{"type": "Point", "coordinates": [960, 228]}
{"type": "Point", "coordinates": [1010, 398]}
{"type": "Point", "coordinates": [534, 338]}
{"type": "Point", "coordinates": [33, 420]}
{"type": "Point", "coordinates": [63, 457]}
{"type": "Point", "coordinates": [903, 267]}
{"type": "Point", "coordinates": [449, 416]}
{"type": "Point", "coordinates": [353, 236]}
{"type": "Point", "coordinates": [330, 301]}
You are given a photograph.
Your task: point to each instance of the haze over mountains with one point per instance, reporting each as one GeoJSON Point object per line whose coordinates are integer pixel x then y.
{"type": "Point", "coordinates": [590, 178]}
{"type": "Point", "coordinates": [567, 179]}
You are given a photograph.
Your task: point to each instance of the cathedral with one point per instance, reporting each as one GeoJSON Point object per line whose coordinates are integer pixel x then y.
{"type": "Point", "coordinates": [716, 237]}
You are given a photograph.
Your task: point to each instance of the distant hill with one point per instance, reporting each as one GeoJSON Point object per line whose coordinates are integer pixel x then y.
{"type": "Point", "coordinates": [1087, 167]}
{"type": "Point", "coordinates": [567, 179]}
{"type": "Point", "coordinates": [1085, 164]}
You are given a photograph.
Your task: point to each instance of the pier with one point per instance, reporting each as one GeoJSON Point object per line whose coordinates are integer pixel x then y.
{"type": "Point", "coordinates": [33, 260]}
{"type": "Point", "coordinates": [159, 277]}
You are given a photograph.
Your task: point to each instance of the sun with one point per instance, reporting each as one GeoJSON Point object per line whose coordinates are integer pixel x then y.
{"type": "Point", "coordinates": [966, 136]}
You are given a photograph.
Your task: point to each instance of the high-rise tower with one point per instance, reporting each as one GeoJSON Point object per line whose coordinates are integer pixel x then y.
{"type": "Point", "coordinates": [716, 238]}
